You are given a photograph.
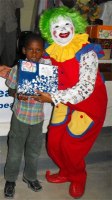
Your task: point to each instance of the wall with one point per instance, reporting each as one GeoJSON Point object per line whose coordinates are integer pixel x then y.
{"type": "Point", "coordinates": [108, 119]}
{"type": "Point", "coordinates": [27, 14]}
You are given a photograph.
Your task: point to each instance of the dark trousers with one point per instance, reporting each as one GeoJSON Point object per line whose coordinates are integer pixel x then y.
{"type": "Point", "coordinates": [23, 138]}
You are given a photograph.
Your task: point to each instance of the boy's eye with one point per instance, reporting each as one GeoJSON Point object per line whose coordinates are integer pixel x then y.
{"type": "Point", "coordinates": [29, 49]}
{"type": "Point", "coordinates": [38, 50]}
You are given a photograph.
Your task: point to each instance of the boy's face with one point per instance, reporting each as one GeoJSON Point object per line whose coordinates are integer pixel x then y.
{"type": "Point", "coordinates": [34, 51]}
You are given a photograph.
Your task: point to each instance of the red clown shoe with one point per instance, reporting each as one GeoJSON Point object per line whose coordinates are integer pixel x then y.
{"type": "Point", "coordinates": [55, 178]}
{"type": "Point", "coordinates": [76, 190]}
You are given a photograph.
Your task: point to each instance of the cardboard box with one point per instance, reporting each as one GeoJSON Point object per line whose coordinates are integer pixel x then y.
{"type": "Point", "coordinates": [107, 54]}
{"type": "Point", "coordinates": [34, 76]}
{"type": "Point", "coordinates": [99, 31]}
{"type": "Point", "coordinates": [105, 43]}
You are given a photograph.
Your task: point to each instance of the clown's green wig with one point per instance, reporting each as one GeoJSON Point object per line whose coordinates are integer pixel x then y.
{"type": "Point", "coordinates": [51, 15]}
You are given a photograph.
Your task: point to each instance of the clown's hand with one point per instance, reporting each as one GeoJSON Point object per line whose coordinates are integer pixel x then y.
{"type": "Point", "coordinates": [43, 97]}
{"type": "Point", "coordinates": [4, 71]}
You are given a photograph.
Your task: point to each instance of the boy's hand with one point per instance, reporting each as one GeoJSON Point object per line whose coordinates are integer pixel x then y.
{"type": "Point", "coordinates": [25, 98]}
{"type": "Point", "coordinates": [43, 97]}
{"type": "Point", "coordinates": [22, 97]}
{"type": "Point", "coordinates": [4, 71]}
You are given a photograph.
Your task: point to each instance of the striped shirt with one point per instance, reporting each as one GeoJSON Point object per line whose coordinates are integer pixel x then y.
{"type": "Point", "coordinates": [30, 111]}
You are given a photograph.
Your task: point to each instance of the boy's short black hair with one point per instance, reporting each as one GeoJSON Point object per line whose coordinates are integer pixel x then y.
{"type": "Point", "coordinates": [33, 37]}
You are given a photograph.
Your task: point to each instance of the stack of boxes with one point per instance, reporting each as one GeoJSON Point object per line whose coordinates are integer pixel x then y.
{"type": "Point", "coordinates": [101, 34]}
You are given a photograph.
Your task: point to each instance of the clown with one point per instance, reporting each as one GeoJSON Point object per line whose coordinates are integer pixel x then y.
{"type": "Point", "coordinates": [81, 100]}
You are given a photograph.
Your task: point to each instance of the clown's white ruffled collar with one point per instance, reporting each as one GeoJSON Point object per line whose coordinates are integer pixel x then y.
{"type": "Point", "coordinates": [62, 53]}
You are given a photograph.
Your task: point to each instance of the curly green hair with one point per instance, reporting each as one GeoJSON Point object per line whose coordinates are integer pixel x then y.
{"type": "Point", "coordinates": [51, 15]}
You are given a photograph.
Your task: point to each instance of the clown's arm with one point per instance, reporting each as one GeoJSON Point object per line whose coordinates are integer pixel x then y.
{"type": "Point", "coordinates": [83, 89]}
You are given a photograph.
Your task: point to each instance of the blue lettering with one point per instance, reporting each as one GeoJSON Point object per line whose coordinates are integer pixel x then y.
{"type": "Point", "coordinates": [4, 93]}
{"type": "Point", "coordinates": [6, 105]}
{"type": "Point", "coordinates": [1, 93]}
{"type": "Point", "coordinates": [1, 105]}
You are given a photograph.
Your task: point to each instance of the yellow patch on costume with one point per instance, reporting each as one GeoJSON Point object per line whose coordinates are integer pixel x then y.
{"type": "Point", "coordinates": [60, 114]}
{"type": "Point", "coordinates": [79, 124]}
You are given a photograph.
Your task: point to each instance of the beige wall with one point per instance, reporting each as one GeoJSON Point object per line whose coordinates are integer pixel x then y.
{"type": "Point", "coordinates": [26, 14]}
{"type": "Point", "coordinates": [108, 119]}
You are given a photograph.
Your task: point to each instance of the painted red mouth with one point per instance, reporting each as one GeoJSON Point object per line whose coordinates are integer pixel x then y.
{"type": "Point", "coordinates": [64, 35]}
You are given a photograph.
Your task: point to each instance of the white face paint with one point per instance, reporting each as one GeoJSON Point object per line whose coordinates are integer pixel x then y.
{"type": "Point", "coordinates": [62, 30]}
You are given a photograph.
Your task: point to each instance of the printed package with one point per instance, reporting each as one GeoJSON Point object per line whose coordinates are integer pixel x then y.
{"type": "Point", "coordinates": [34, 76]}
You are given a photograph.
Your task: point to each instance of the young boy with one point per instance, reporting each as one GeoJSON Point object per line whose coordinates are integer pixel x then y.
{"type": "Point", "coordinates": [25, 134]}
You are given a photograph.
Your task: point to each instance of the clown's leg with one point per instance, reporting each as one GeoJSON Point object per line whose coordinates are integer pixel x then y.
{"type": "Point", "coordinates": [61, 117]}
{"type": "Point", "coordinates": [73, 154]}
{"type": "Point", "coordinates": [55, 137]}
